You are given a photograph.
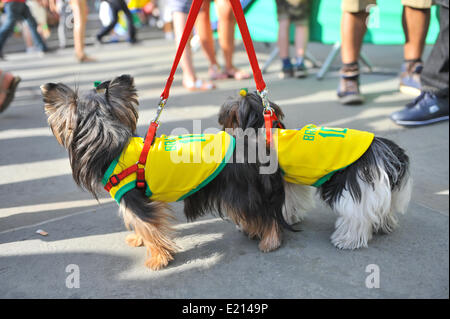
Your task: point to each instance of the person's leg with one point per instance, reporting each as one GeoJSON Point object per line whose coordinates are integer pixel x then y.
{"type": "Point", "coordinates": [37, 39]}
{"type": "Point", "coordinates": [190, 80]}
{"type": "Point", "coordinates": [26, 34]}
{"type": "Point", "coordinates": [415, 26]}
{"type": "Point", "coordinates": [287, 69]}
{"type": "Point", "coordinates": [130, 22]}
{"type": "Point", "coordinates": [179, 22]}
{"type": "Point", "coordinates": [205, 34]}
{"type": "Point", "coordinates": [13, 13]}
{"type": "Point", "coordinates": [415, 21]}
{"type": "Point", "coordinates": [432, 105]}
{"type": "Point", "coordinates": [301, 39]}
{"type": "Point", "coordinates": [80, 12]}
{"type": "Point", "coordinates": [226, 29]}
{"type": "Point", "coordinates": [353, 29]}
{"type": "Point", "coordinates": [227, 23]}
{"type": "Point", "coordinates": [115, 17]}
{"type": "Point", "coordinates": [299, 16]}
{"type": "Point", "coordinates": [436, 70]}
{"type": "Point", "coordinates": [62, 7]}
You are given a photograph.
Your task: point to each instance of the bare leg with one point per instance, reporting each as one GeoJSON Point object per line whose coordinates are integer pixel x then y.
{"type": "Point", "coordinates": [27, 36]}
{"type": "Point", "coordinates": [283, 38]}
{"type": "Point", "coordinates": [301, 39]}
{"type": "Point", "coordinates": [80, 12]}
{"type": "Point", "coordinates": [179, 21]}
{"type": "Point", "coordinates": [353, 28]}
{"type": "Point", "coordinates": [226, 27]}
{"type": "Point", "coordinates": [415, 25]}
{"type": "Point", "coordinates": [227, 23]}
{"type": "Point", "coordinates": [204, 30]}
{"type": "Point", "coordinates": [189, 77]}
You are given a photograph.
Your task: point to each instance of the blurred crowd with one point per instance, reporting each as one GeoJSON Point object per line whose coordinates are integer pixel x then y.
{"type": "Point", "coordinates": [428, 80]}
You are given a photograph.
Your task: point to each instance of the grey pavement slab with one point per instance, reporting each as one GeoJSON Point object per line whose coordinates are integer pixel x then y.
{"type": "Point", "coordinates": [216, 260]}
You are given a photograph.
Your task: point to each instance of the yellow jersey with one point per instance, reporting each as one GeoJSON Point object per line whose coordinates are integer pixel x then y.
{"type": "Point", "coordinates": [311, 155]}
{"type": "Point", "coordinates": [176, 166]}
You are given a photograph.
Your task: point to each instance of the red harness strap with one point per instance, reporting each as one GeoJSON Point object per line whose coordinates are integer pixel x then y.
{"type": "Point", "coordinates": [270, 120]}
{"type": "Point", "coordinates": [115, 179]}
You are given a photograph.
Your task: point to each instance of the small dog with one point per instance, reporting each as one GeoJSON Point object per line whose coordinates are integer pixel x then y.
{"type": "Point", "coordinates": [366, 194]}
{"type": "Point", "coordinates": [99, 126]}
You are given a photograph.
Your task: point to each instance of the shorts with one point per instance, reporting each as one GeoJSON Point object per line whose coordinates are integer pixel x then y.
{"type": "Point", "coordinates": [297, 11]}
{"type": "Point", "coordinates": [361, 5]}
{"type": "Point", "coordinates": [180, 5]}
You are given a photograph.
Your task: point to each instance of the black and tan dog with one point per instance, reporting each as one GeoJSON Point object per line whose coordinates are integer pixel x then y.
{"type": "Point", "coordinates": [98, 128]}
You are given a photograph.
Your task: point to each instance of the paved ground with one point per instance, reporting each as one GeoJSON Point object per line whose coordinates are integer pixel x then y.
{"type": "Point", "coordinates": [216, 261]}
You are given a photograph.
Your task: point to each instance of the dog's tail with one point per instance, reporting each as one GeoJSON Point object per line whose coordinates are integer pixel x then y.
{"type": "Point", "coordinates": [383, 156]}
{"type": "Point", "coordinates": [394, 160]}
{"type": "Point", "coordinates": [397, 166]}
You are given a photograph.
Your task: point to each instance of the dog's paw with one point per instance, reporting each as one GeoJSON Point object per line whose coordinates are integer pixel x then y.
{"type": "Point", "coordinates": [156, 262]}
{"type": "Point", "coordinates": [134, 240]}
{"type": "Point", "coordinates": [346, 243]}
{"type": "Point", "coordinates": [268, 244]}
{"type": "Point", "coordinates": [293, 218]}
{"type": "Point", "coordinates": [158, 259]}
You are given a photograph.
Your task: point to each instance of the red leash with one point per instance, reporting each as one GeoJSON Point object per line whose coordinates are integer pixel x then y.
{"type": "Point", "coordinates": [269, 114]}
{"type": "Point", "coordinates": [248, 43]}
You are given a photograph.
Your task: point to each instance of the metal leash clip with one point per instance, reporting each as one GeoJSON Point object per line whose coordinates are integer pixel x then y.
{"type": "Point", "coordinates": [161, 105]}
{"type": "Point", "coordinates": [265, 101]}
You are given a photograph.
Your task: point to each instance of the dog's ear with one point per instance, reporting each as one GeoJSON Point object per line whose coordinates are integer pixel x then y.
{"type": "Point", "coordinates": [122, 96]}
{"type": "Point", "coordinates": [229, 115]}
{"type": "Point", "coordinates": [60, 105]}
{"type": "Point", "coordinates": [122, 88]}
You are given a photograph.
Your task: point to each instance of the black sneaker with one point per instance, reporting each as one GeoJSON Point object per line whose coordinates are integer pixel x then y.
{"type": "Point", "coordinates": [348, 91]}
{"type": "Point", "coordinates": [427, 108]}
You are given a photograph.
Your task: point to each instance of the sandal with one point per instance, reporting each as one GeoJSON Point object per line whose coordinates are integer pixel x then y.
{"type": "Point", "coordinates": [199, 85]}
{"type": "Point", "coordinates": [237, 74]}
{"type": "Point", "coordinates": [215, 73]}
{"type": "Point", "coordinates": [10, 91]}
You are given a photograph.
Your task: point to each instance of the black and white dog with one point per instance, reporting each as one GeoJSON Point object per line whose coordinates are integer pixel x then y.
{"type": "Point", "coordinates": [366, 195]}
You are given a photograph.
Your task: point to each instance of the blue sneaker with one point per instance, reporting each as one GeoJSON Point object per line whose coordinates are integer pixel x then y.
{"type": "Point", "coordinates": [410, 78]}
{"type": "Point", "coordinates": [427, 108]}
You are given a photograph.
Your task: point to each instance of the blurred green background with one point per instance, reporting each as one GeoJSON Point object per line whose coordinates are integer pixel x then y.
{"type": "Point", "coordinates": [384, 23]}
